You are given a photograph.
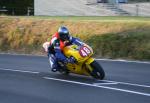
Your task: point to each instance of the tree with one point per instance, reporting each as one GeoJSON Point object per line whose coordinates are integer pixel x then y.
{"type": "Point", "coordinates": [18, 6]}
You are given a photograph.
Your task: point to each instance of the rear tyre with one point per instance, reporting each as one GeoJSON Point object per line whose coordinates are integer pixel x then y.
{"type": "Point", "coordinates": [64, 72]}
{"type": "Point", "coordinates": [63, 69]}
{"type": "Point", "coordinates": [98, 71]}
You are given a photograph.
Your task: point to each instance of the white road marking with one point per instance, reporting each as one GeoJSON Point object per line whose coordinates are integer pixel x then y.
{"type": "Point", "coordinates": [146, 86]}
{"type": "Point", "coordinates": [112, 82]}
{"type": "Point", "coordinates": [127, 61]}
{"type": "Point", "coordinates": [19, 71]}
{"type": "Point", "coordinates": [104, 83]}
{"type": "Point", "coordinates": [105, 87]}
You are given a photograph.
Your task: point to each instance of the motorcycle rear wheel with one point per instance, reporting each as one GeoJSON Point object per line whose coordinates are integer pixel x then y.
{"type": "Point", "coordinates": [98, 71]}
{"type": "Point", "coordinates": [63, 69]}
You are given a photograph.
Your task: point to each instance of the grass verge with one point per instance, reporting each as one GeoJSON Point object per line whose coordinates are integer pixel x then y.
{"type": "Point", "coordinates": [110, 37]}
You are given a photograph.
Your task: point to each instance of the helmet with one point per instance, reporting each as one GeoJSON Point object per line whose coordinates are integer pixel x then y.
{"type": "Point", "coordinates": [63, 33]}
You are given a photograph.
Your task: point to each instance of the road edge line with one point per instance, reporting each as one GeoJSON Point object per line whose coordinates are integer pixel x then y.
{"type": "Point", "coordinates": [114, 60]}
{"type": "Point", "coordinates": [105, 87]}
{"type": "Point", "coordinates": [15, 70]}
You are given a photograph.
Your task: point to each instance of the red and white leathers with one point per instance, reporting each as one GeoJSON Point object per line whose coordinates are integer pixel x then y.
{"type": "Point", "coordinates": [55, 48]}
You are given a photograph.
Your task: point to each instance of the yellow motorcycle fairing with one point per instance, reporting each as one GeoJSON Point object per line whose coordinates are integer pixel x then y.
{"type": "Point", "coordinates": [82, 66]}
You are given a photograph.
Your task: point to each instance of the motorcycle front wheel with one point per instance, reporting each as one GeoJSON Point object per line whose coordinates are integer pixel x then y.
{"type": "Point", "coordinates": [98, 71]}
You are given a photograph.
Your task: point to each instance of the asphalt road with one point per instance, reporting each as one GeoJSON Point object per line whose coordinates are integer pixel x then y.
{"type": "Point", "coordinates": [28, 79]}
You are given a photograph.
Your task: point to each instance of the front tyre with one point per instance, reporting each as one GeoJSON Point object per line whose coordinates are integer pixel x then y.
{"type": "Point", "coordinates": [98, 71]}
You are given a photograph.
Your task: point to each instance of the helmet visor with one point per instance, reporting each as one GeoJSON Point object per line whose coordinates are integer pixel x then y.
{"type": "Point", "coordinates": [64, 36]}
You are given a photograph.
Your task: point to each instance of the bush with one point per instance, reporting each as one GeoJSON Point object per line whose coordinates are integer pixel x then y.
{"type": "Point", "coordinates": [131, 46]}
{"type": "Point", "coordinates": [110, 39]}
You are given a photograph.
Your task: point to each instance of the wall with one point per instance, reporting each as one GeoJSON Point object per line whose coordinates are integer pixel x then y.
{"type": "Point", "coordinates": [69, 8]}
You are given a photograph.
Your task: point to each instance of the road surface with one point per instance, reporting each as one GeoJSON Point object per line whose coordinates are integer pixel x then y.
{"type": "Point", "coordinates": [28, 79]}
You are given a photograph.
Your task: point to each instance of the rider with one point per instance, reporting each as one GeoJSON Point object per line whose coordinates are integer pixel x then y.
{"type": "Point", "coordinates": [59, 40]}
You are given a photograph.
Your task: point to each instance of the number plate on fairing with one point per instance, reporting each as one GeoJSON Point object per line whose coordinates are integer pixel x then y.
{"type": "Point", "coordinates": [85, 51]}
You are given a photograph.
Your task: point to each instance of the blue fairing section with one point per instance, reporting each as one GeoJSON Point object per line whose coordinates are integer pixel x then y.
{"type": "Point", "coordinates": [76, 41]}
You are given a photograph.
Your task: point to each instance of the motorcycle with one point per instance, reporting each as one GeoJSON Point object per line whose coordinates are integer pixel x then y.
{"type": "Point", "coordinates": [84, 64]}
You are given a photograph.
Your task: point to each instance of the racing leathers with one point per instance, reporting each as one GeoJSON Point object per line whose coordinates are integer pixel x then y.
{"type": "Point", "coordinates": [55, 49]}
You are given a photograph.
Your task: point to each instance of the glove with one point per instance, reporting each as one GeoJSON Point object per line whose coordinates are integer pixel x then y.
{"type": "Point", "coordinates": [70, 60]}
